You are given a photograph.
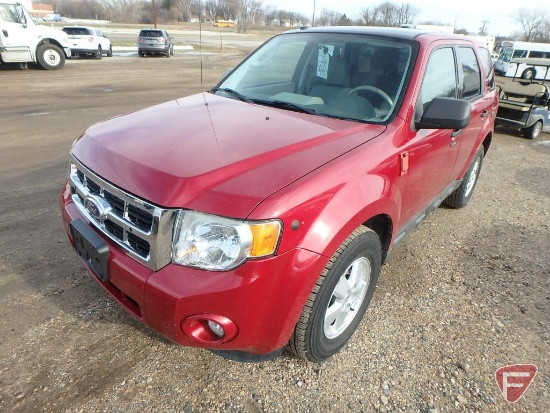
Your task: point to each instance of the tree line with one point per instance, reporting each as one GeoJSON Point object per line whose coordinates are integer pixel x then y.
{"type": "Point", "coordinates": [534, 23]}
{"type": "Point", "coordinates": [247, 13]}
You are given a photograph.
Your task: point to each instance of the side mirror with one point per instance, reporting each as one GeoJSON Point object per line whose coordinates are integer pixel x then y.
{"type": "Point", "coordinates": [445, 113]}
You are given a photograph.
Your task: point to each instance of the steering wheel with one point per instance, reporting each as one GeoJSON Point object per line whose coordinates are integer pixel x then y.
{"type": "Point", "coordinates": [379, 92]}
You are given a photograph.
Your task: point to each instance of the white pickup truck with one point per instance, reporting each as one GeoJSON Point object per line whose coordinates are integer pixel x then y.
{"type": "Point", "coordinates": [23, 41]}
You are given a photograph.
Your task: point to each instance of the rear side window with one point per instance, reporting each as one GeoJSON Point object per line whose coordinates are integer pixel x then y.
{"type": "Point", "coordinates": [150, 33]}
{"type": "Point", "coordinates": [471, 75]}
{"type": "Point", "coordinates": [487, 64]}
{"type": "Point", "coordinates": [439, 79]}
{"type": "Point", "coordinates": [539, 55]}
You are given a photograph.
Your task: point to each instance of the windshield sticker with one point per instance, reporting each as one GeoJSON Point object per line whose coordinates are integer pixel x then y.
{"type": "Point", "coordinates": [325, 51]}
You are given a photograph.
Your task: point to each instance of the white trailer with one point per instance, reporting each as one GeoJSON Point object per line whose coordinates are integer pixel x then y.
{"type": "Point", "coordinates": [23, 41]}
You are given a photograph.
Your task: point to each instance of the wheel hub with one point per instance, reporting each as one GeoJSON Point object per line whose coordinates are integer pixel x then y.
{"type": "Point", "coordinates": [347, 297]}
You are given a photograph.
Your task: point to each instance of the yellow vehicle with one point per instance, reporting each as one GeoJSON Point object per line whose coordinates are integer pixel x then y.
{"type": "Point", "coordinates": [224, 23]}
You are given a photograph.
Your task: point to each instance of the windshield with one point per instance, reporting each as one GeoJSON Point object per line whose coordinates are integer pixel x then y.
{"type": "Point", "coordinates": [348, 76]}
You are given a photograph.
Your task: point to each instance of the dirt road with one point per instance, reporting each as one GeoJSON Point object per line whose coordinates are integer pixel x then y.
{"type": "Point", "coordinates": [465, 294]}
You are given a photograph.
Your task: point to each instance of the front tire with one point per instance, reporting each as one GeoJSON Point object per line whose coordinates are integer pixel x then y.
{"type": "Point", "coordinates": [110, 52]}
{"type": "Point", "coordinates": [463, 193]}
{"type": "Point", "coordinates": [339, 299]}
{"type": "Point", "coordinates": [50, 57]}
{"type": "Point", "coordinates": [533, 131]}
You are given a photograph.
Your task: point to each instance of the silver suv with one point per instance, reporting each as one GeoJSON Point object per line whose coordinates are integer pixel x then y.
{"type": "Point", "coordinates": [153, 41]}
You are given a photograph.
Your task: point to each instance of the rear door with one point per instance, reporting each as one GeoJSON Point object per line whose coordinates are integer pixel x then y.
{"type": "Point", "coordinates": [103, 40]}
{"type": "Point", "coordinates": [479, 89]}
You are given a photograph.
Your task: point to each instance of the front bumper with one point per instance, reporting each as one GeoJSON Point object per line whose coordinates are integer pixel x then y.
{"type": "Point", "coordinates": [263, 298]}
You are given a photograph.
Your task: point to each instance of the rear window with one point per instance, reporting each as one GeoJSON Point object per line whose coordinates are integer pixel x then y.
{"type": "Point", "coordinates": [77, 31]}
{"type": "Point", "coordinates": [150, 33]}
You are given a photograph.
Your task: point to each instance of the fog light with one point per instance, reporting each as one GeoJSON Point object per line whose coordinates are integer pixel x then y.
{"type": "Point", "coordinates": [216, 328]}
{"type": "Point", "coordinates": [208, 329]}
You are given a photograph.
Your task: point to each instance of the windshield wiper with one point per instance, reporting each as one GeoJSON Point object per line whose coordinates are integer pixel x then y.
{"type": "Point", "coordinates": [287, 105]}
{"type": "Point", "coordinates": [233, 93]}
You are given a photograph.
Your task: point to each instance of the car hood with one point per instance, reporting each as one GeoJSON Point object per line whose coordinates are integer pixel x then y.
{"type": "Point", "coordinates": [212, 153]}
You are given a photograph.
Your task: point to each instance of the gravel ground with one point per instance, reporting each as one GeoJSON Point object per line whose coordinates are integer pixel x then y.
{"type": "Point", "coordinates": [465, 294]}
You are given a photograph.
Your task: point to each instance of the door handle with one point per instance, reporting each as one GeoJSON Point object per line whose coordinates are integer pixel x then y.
{"type": "Point", "coordinates": [5, 33]}
{"type": "Point", "coordinates": [454, 135]}
{"type": "Point", "coordinates": [485, 113]}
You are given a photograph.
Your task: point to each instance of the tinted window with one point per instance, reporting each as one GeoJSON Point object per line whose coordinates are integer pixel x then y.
{"type": "Point", "coordinates": [471, 75]}
{"type": "Point", "coordinates": [539, 55]}
{"type": "Point", "coordinates": [150, 33]}
{"type": "Point", "coordinates": [439, 79]}
{"type": "Point", "coordinates": [78, 31]}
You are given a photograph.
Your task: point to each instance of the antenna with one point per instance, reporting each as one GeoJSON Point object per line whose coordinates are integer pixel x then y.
{"type": "Point", "coordinates": [200, 35]}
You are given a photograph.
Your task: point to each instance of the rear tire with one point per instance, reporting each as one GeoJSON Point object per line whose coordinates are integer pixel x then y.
{"type": "Point", "coordinates": [533, 131]}
{"type": "Point", "coordinates": [110, 52]}
{"type": "Point", "coordinates": [339, 299]}
{"type": "Point", "coordinates": [527, 74]}
{"type": "Point", "coordinates": [463, 193]}
{"type": "Point", "coordinates": [50, 57]}
{"type": "Point", "coordinates": [99, 53]}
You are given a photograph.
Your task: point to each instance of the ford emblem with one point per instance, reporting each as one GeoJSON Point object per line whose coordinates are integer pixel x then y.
{"type": "Point", "coordinates": [97, 207]}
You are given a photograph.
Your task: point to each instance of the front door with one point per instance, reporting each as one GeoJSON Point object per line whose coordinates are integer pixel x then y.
{"type": "Point", "coordinates": [16, 34]}
{"type": "Point", "coordinates": [432, 152]}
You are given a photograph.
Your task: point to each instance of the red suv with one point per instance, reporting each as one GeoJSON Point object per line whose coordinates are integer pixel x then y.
{"type": "Point", "coordinates": [258, 214]}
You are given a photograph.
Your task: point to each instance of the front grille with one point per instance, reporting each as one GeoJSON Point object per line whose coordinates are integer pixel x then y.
{"type": "Point", "coordinates": [142, 229]}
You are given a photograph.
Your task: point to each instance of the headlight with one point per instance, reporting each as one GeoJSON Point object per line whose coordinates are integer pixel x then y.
{"type": "Point", "coordinates": [215, 243]}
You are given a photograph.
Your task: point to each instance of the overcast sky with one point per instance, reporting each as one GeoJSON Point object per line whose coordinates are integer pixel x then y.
{"type": "Point", "coordinates": [467, 14]}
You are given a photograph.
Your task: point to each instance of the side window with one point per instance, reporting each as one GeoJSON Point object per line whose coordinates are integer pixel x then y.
{"type": "Point", "coordinates": [439, 79]}
{"type": "Point", "coordinates": [11, 13]}
{"type": "Point", "coordinates": [487, 64]}
{"type": "Point", "coordinates": [471, 75]}
{"type": "Point", "coordinates": [519, 54]}
{"type": "Point", "coordinates": [537, 55]}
